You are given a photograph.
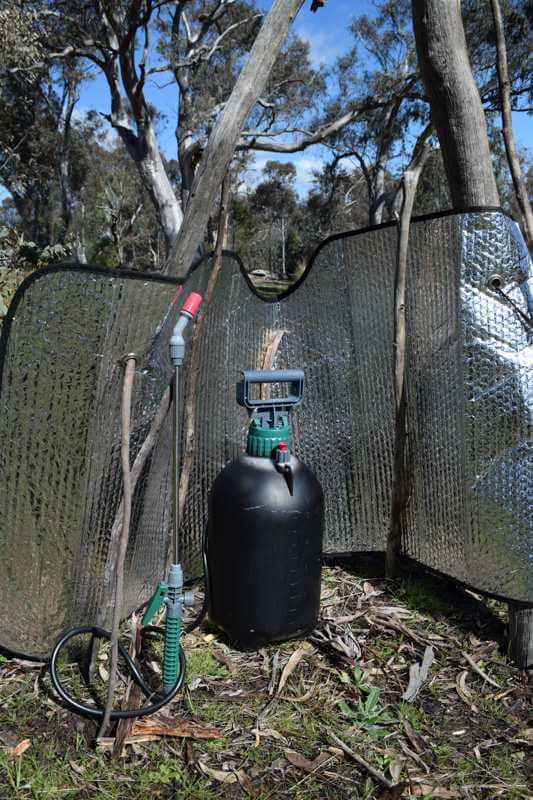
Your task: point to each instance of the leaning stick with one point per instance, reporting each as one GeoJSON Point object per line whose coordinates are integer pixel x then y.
{"type": "Point", "coordinates": [127, 388]}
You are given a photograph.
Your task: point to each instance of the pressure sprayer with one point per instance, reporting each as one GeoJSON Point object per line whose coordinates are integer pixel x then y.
{"type": "Point", "coordinates": [266, 518]}
{"type": "Point", "coordinates": [170, 593]}
{"type": "Point", "coordinates": [262, 546]}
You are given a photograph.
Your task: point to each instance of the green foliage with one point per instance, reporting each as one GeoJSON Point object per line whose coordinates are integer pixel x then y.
{"type": "Point", "coordinates": [368, 714]}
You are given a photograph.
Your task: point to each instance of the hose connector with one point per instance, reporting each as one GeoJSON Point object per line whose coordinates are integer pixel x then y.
{"type": "Point", "coordinates": [177, 343]}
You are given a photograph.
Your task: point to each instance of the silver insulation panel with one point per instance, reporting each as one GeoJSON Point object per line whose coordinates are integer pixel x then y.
{"type": "Point", "coordinates": [470, 408]}
{"type": "Point", "coordinates": [60, 477]}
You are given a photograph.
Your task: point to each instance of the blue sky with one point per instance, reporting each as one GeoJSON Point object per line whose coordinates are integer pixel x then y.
{"type": "Point", "coordinates": [326, 32]}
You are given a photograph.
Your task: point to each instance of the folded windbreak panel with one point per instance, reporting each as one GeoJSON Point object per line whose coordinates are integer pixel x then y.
{"type": "Point", "coordinates": [470, 408]}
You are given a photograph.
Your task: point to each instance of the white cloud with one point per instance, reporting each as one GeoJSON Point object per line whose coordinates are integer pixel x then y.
{"type": "Point", "coordinates": [305, 166]}
{"type": "Point", "coordinates": [324, 47]}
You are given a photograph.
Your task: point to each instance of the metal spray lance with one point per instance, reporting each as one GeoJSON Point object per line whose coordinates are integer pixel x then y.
{"type": "Point", "coordinates": [171, 593]}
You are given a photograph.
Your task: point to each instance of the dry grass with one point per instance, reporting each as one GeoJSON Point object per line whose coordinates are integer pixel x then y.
{"type": "Point", "coordinates": [281, 712]}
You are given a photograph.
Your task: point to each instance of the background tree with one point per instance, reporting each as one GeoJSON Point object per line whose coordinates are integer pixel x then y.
{"type": "Point", "coordinates": [366, 113]}
{"type": "Point", "coordinates": [457, 112]}
{"type": "Point", "coordinates": [275, 205]}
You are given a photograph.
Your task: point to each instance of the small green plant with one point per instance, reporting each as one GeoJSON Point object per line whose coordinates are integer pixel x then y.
{"type": "Point", "coordinates": [369, 714]}
{"type": "Point", "coordinates": [359, 678]}
{"type": "Point", "coordinates": [14, 774]}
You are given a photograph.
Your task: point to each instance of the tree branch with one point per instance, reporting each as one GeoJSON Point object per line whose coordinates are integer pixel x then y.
{"type": "Point", "coordinates": [507, 125]}
{"type": "Point", "coordinates": [222, 143]}
{"type": "Point", "coordinates": [311, 137]}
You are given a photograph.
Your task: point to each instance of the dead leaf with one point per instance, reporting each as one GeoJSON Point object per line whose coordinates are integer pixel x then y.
{"type": "Point", "coordinates": [246, 783]}
{"type": "Point", "coordinates": [224, 658]}
{"type": "Point", "coordinates": [394, 793]}
{"type": "Point", "coordinates": [268, 733]}
{"type": "Point", "coordinates": [463, 691]}
{"type": "Point", "coordinates": [423, 789]}
{"type": "Point", "coordinates": [219, 775]}
{"type": "Point", "coordinates": [395, 769]}
{"type": "Point", "coordinates": [190, 757]}
{"type": "Point", "coordinates": [298, 761]}
{"type": "Point", "coordinates": [77, 768]}
{"type": "Point", "coordinates": [418, 674]}
{"type": "Point", "coordinates": [290, 666]}
{"type": "Point", "coordinates": [301, 762]}
{"type": "Point", "coordinates": [21, 747]}
{"type": "Point", "coordinates": [104, 674]}
{"type": "Point", "coordinates": [341, 639]}
{"type": "Point", "coordinates": [416, 740]}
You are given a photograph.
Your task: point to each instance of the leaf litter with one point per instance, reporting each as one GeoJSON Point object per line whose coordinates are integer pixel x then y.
{"type": "Point", "coordinates": [394, 695]}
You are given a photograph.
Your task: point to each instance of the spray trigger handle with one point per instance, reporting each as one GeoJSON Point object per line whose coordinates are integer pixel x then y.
{"type": "Point", "coordinates": [157, 600]}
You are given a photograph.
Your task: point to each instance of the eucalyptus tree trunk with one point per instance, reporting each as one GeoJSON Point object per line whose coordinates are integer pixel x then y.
{"type": "Point", "coordinates": [459, 120]}
{"type": "Point", "coordinates": [225, 136]}
{"type": "Point", "coordinates": [456, 109]}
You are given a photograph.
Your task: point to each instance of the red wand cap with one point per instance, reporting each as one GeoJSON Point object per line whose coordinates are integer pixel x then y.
{"type": "Point", "coordinates": [192, 304]}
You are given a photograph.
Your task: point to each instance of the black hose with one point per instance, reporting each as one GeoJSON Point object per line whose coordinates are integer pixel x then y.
{"type": "Point", "coordinates": [97, 713]}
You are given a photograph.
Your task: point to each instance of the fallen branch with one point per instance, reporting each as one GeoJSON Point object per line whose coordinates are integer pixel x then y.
{"type": "Point", "coordinates": [136, 472]}
{"type": "Point", "coordinates": [374, 773]}
{"type": "Point", "coordinates": [399, 494]}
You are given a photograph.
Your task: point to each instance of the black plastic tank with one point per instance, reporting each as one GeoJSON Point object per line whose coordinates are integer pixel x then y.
{"type": "Point", "coordinates": [266, 519]}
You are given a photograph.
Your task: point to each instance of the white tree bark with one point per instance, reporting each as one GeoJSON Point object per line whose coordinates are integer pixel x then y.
{"type": "Point", "coordinates": [507, 127]}
{"type": "Point", "coordinates": [223, 141]}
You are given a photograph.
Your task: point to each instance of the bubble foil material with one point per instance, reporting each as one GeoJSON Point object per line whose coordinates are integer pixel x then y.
{"type": "Point", "coordinates": [469, 420]}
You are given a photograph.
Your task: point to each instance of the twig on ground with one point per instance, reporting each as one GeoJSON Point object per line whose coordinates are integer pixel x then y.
{"type": "Point", "coordinates": [479, 671]}
{"type": "Point", "coordinates": [374, 773]}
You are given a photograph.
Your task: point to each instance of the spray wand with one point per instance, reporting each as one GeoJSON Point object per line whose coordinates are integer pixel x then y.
{"type": "Point", "coordinates": [171, 593]}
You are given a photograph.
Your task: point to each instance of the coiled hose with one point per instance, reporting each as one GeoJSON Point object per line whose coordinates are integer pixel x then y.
{"type": "Point", "coordinates": [90, 712]}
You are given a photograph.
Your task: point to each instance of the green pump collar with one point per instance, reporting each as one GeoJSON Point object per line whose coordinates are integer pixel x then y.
{"type": "Point", "coordinates": [262, 441]}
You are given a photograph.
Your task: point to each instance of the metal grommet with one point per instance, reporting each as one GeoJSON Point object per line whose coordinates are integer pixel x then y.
{"type": "Point", "coordinates": [495, 282]}
{"type": "Point", "coordinates": [125, 358]}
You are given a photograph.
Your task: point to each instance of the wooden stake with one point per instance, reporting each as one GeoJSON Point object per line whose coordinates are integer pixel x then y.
{"type": "Point", "coordinates": [521, 635]}
{"type": "Point", "coordinates": [127, 388]}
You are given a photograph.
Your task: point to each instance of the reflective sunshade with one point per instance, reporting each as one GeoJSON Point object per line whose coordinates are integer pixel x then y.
{"type": "Point", "coordinates": [470, 409]}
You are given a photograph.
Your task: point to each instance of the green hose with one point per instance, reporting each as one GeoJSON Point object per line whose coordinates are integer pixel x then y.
{"type": "Point", "coordinates": [171, 652]}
